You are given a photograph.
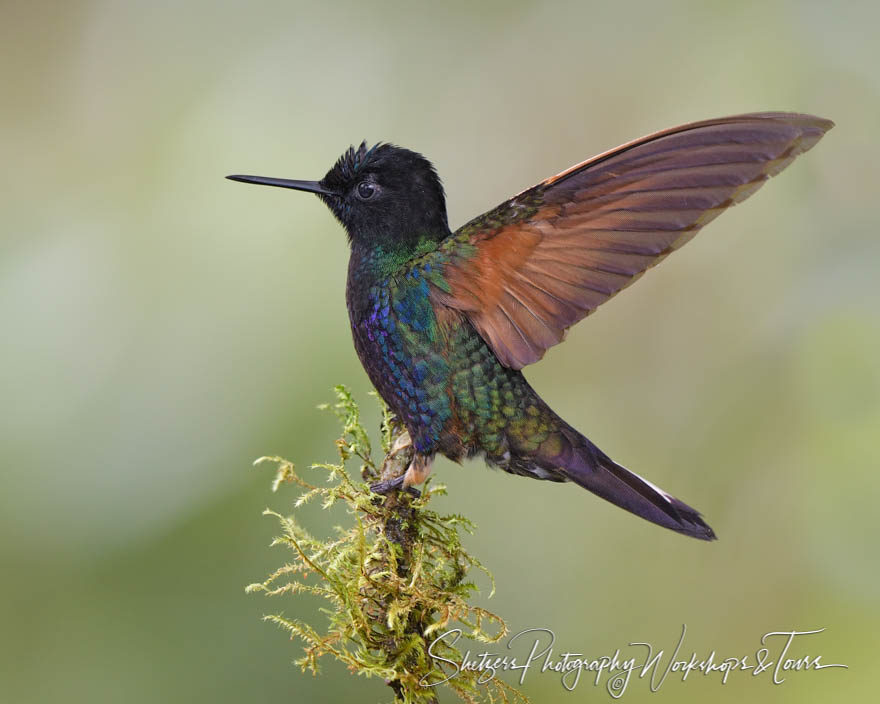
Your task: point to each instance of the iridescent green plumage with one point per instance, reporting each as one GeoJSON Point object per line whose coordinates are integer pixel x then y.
{"type": "Point", "coordinates": [437, 372]}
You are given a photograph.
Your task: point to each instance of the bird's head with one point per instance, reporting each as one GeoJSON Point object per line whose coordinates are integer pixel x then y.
{"type": "Point", "coordinates": [383, 195]}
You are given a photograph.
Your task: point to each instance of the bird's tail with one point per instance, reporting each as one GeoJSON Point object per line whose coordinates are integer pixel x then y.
{"type": "Point", "coordinates": [578, 460]}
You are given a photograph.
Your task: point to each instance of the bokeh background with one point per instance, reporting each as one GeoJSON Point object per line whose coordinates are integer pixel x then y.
{"type": "Point", "coordinates": [162, 327]}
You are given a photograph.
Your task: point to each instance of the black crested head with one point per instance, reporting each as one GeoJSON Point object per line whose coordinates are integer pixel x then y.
{"type": "Point", "coordinates": [386, 195]}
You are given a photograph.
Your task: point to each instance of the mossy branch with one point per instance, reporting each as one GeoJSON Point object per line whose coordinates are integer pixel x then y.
{"type": "Point", "coordinates": [396, 579]}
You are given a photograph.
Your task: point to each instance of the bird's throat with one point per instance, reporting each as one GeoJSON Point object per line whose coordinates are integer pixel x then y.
{"type": "Point", "coordinates": [383, 261]}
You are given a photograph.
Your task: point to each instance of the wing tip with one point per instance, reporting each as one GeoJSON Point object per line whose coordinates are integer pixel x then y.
{"type": "Point", "coordinates": [801, 119]}
{"type": "Point", "coordinates": [804, 121]}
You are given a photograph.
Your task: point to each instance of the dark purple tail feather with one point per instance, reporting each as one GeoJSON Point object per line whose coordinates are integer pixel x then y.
{"type": "Point", "coordinates": [586, 465]}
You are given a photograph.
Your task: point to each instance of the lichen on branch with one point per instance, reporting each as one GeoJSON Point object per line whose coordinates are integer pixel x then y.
{"type": "Point", "coordinates": [396, 578]}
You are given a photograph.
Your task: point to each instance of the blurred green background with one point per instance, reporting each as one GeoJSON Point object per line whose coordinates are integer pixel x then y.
{"type": "Point", "coordinates": [163, 327]}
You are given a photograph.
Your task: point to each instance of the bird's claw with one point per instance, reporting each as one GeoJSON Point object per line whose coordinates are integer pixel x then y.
{"type": "Point", "coordinates": [389, 485]}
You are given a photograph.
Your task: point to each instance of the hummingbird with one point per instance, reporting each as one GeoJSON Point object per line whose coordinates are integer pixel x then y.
{"type": "Point", "coordinates": [444, 321]}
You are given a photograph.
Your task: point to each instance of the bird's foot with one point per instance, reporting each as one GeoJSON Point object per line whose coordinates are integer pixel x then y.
{"type": "Point", "coordinates": [416, 473]}
{"type": "Point", "coordinates": [389, 485]}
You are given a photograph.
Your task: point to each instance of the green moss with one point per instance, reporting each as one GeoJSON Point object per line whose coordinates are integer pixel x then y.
{"type": "Point", "coordinates": [395, 579]}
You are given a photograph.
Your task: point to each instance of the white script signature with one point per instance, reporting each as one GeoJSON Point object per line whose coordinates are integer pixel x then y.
{"type": "Point", "coordinates": [778, 658]}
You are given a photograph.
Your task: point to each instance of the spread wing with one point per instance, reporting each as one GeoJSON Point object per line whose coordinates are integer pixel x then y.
{"type": "Point", "coordinates": [541, 261]}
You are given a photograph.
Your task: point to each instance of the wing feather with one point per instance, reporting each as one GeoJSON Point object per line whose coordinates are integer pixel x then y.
{"type": "Point", "coordinates": [535, 265]}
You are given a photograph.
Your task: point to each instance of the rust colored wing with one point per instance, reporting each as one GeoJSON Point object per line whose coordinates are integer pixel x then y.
{"type": "Point", "coordinates": [541, 261]}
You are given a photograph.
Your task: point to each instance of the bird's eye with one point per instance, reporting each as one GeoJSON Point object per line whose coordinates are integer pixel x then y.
{"type": "Point", "coordinates": [365, 190]}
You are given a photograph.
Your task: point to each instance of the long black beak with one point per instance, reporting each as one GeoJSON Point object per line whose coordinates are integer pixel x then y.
{"type": "Point", "coordinates": [310, 186]}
